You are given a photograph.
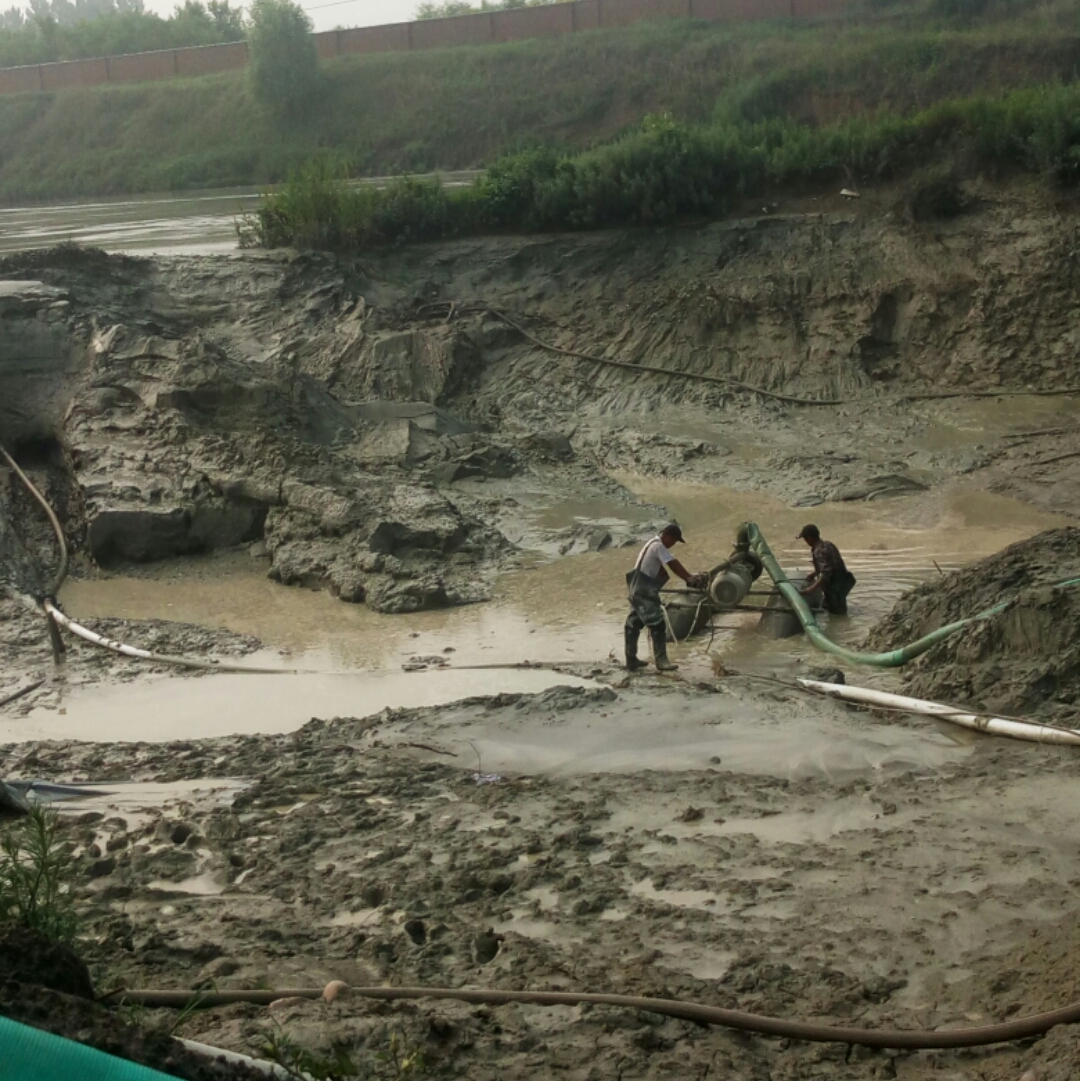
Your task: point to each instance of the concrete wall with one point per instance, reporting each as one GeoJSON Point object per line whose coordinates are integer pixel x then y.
{"type": "Point", "coordinates": [520, 23]}
{"type": "Point", "coordinates": [482, 28]}
{"type": "Point", "coordinates": [373, 39]}
{"type": "Point", "coordinates": [74, 73]}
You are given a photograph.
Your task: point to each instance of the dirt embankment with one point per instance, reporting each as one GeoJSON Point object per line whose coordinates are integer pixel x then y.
{"type": "Point", "coordinates": [1025, 659]}
{"type": "Point", "coordinates": [47, 986]}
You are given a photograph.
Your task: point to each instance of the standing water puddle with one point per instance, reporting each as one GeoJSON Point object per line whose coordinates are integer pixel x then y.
{"type": "Point", "coordinates": [164, 709]}
{"type": "Point", "coordinates": [570, 610]}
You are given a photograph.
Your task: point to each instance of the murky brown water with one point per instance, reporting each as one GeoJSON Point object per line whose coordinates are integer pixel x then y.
{"type": "Point", "coordinates": [568, 610]}
{"type": "Point", "coordinates": [202, 223]}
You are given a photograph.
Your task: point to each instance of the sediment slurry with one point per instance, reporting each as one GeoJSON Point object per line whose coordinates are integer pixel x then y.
{"type": "Point", "coordinates": [382, 851]}
{"type": "Point", "coordinates": [397, 431]}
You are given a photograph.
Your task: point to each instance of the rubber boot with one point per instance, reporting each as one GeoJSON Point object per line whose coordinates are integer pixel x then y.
{"type": "Point", "coordinates": [630, 639]}
{"type": "Point", "coordinates": [659, 649]}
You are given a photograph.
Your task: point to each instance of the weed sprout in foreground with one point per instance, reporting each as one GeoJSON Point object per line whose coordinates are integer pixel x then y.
{"type": "Point", "coordinates": [34, 877]}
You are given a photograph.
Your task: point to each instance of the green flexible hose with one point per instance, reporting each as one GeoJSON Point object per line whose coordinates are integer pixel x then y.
{"type": "Point", "coordinates": [28, 1053]}
{"type": "Point", "coordinates": [894, 657]}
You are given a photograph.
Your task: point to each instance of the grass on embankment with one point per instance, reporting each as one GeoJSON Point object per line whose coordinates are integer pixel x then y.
{"type": "Point", "coordinates": [666, 170]}
{"type": "Point", "coordinates": [458, 108]}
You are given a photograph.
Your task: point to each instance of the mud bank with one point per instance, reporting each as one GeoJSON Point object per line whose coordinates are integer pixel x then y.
{"type": "Point", "coordinates": [374, 430]}
{"type": "Point", "coordinates": [417, 847]}
{"type": "Point", "coordinates": [371, 431]}
{"type": "Point", "coordinates": [1025, 659]}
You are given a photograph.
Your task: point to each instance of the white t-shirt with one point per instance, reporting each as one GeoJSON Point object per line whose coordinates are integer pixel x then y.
{"type": "Point", "coordinates": [652, 557]}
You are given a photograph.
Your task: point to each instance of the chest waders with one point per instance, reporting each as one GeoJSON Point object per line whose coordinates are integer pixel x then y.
{"type": "Point", "coordinates": [643, 592]}
{"type": "Point", "coordinates": [836, 590]}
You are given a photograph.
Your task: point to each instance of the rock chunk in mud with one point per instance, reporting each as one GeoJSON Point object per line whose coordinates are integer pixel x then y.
{"type": "Point", "coordinates": [417, 595]}
{"type": "Point", "coordinates": [1023, 659]}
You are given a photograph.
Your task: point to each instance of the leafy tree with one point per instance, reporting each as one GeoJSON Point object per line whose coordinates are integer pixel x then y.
{"type": "Point", "coordinates": [284, 68]}
{"type": "Point", "coordinates": [216, 21]}
{"type": "Point", "coordinates": [229, 21]}
{"type": "Point", "coordinates": [66, 12]}
{"type": "Point", "coordinates": [73, 29]}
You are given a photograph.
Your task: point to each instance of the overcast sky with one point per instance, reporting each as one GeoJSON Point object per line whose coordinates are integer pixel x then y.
{"type": "Point", "coordinates": [325, 14]}
{"type": "Point", "coordinates": [342, 13]}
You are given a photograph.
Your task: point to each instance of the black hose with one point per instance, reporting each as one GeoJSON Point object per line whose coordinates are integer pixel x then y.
{"type": "Point", "coordinates": [20, 693]}
{"type": "Point", "coordinates": [696, 377]}
{"type": "Point", "coordinates": [913, 1039]}
{"type": "Point", "coordinates": [453, 309]}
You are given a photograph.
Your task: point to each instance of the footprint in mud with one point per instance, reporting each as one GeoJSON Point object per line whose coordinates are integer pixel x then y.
{"type": "Point", "coordinates": [486, 945]}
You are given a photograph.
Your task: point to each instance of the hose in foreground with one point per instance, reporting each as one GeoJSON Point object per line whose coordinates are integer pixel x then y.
{"type": "Point", "coordinates": [1012, 727]}
{"type": "Point", "coordinates": [912, 1039]}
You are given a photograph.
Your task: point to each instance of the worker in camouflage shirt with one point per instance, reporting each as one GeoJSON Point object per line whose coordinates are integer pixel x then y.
{"type": "Point", "coordinates": [830, 575]}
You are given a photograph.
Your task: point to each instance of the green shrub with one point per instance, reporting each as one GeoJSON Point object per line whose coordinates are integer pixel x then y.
{"type": "Point", "coordinates": [34, 869]}
{"type": "Point", "coordinates": [319, 207]}
{"type": "Point", "coordinates": [664, 170]}
{"type": "Point", "coordinates": [936, 193]}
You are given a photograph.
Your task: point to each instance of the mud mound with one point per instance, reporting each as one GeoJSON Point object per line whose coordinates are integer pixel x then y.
{"type": "Point", "coordinates": [86, 1022]}
{"type": "Point", "coordinates": [1024, 659]}
{"type": "Point", "coordinates": [29, 957]}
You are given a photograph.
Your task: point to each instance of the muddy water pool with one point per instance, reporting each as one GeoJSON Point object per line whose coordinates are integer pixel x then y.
{"type": "Point", "coordinates": [568, 611]}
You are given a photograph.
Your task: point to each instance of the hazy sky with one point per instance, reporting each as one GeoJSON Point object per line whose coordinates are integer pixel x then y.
{"type": "Point", "coordinates": [346, 13]}
{"type": "Point", "coordinates": [326, 14]}
{"type": "Point", "coordinates": [342, 13]}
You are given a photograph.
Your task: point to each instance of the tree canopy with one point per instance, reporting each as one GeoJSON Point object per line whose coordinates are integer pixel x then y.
{"type": "Point", "coordinates": [284, 67]}
{"type": "Point", "coordinates": [75, 29]}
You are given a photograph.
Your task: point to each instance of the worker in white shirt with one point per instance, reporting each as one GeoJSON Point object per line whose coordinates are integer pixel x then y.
{"type": "Point", "coordinates": [643, 583]}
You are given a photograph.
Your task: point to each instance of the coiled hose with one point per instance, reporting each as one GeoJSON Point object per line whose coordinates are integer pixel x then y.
{"type": "Point", "coordinates": [894, 658]}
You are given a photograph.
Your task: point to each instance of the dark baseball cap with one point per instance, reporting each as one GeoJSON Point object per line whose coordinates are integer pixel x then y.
{"type": "Point", "coordinates": [810, 532]}
{"type": "Point", "coordinates": [675, 530]}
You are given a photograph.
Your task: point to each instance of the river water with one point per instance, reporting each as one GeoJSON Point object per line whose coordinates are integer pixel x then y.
{"type": "Point", "coordinates": [192, 223]}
